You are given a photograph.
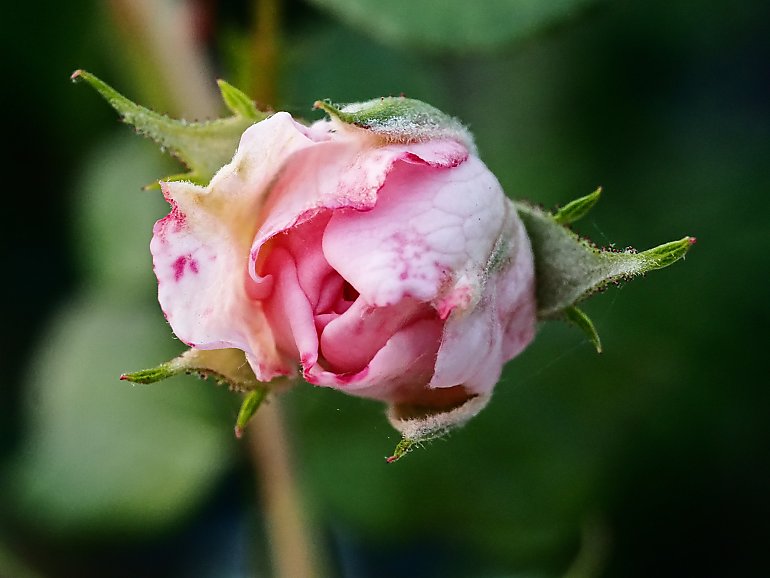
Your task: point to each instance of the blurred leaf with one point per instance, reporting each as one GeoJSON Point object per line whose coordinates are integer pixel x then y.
{"type": "Point", "coordinates": [452, 25]}
{"type": "Point", "coordinates": [114, 217]}
{"type": "Point", "coordinates": [204, 147]}
{"type": "Point", "coordinates": [105, 456]}
{"type": "Point", "coordinates": [12, 565]}
{"type": "Point", "coordinates": [335, 62]}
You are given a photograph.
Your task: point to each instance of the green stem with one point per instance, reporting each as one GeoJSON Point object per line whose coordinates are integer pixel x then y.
{"type": "Point", "coordinates": [293, 553]}
{"type": "Point", "coordinates": [167, 61]}
{"type": "Point", "coordinates": [265, 45]}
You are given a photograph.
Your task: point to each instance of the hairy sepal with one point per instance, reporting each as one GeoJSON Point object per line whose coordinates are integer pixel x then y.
{"type": "Point", "coordinates": [568, 268]}
{"type": "Point", "coordinates": [418, 425]}
{"type": "Point", "coordinates": [228, 366]}
{"type": "Point", "coordinates": [203, 147]}
{"type": "Point", "coordinates": [399, 119]}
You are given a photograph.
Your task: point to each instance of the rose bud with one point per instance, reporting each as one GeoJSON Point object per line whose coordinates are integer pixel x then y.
{"type": "Point", "coordinates": [373, 253]}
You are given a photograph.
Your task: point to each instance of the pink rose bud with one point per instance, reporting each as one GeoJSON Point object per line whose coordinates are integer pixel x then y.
{"type": "Point", "coordinates": [374, 254]}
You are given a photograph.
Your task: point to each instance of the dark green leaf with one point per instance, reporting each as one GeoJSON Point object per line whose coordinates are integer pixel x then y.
{"type": "Point", "coordinates": [452, 25]}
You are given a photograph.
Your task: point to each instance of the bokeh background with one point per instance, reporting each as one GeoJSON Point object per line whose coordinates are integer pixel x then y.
{"type": "Point", "coordinates": [651, 459]}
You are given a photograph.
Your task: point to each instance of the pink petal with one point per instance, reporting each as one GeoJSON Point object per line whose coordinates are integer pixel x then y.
{"type": "Point", "coordinates": [431, 227]}
{"type": "Point", "coordinates": [477, 343]}
{"type": "Point", "coordinates": [395, 372]}
{"type": "Point", "coordinates": [201, 249]}
{"type": "Point", "coordinates": [349, 342]}
{"type": "Point", "coordinates": [337, 174]}
{"type": "Point", "coordinates": [289, 310]}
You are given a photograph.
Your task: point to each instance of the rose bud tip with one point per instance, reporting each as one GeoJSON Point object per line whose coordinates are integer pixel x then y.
{"type": "Point", "coordinates": [238, 432]}
{"type": "Point", "coordinates": [692, 240]}
{"type": "Point", "coordinates": [123, 377]}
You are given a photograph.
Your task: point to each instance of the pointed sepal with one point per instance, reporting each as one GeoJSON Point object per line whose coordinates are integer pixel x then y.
{"type": "Point", "coordinates": [583, 322]}
{"type": "Point", "coordinates": [227, 366]}
{"type": "Point", "coordinates": [249, 407]}
{"type": "Point", "coordinates": [153, 374]}
{"type": "Point", "coordinates": [568, 269]}
{"type": "Point", "coordinates": [239, 103]}
{"type": "Point", "coordinates": [403, 447]}
{"type": "Point", "coordinates": [418, 424]}
{"type": "Point", "coordinates": [203, 147]}
{"type": "Point", "coordinates": [399, 119]}
{"type": "Point", "coordinates": [577, 209]}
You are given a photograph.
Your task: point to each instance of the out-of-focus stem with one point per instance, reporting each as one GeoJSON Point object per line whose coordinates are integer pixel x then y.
{"type": "Point", "coordinates": [265, 45]}
{"type": "Point", "coordinates": [162, 45]}
{"type": "Point", "coordinates": [292, 550]}
{"type": "Point", "coordinates": [594, 549]}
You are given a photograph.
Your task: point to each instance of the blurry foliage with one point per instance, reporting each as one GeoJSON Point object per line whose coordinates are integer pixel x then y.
{"type": "Point", "coordinates": [100, 456]}
{"type": "Point", "coordinates": [663, 437]}
{"type": "Point", "coordinates": [451, 25]}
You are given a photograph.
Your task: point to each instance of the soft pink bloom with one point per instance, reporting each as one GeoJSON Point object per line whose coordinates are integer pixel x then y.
{"type": "Point", "coordinates": [390, 270]}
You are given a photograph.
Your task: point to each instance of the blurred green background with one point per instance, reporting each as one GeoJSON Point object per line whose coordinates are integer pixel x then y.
{"type": "Point", "coordinates": [649, 460]}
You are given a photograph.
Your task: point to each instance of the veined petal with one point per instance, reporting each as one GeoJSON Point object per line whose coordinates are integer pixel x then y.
{"type": "Point", "coordinates": [477, 343]}
{"type": "Point", "coordinates": [340, 173]}
{"type": "Point", "coordinates": [431, 228]}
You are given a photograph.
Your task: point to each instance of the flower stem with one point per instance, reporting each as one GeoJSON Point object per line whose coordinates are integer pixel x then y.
{"type": "Point", "coordinates": [167, 59]}
{"type": "Point", "coordinates": [265, 43]}
{"type": "Point", "coordinates": [293, 553]}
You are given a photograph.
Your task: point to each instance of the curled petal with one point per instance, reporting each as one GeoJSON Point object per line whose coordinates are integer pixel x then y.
{"type": "Point", "coordinates": [335, 175]}
{"type": "Point", "coordinates": [200, 250]}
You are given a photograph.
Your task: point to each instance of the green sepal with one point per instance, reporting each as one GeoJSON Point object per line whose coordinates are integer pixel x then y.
{"type": "Point", "coordinates": [666, 254]}
{"type": "Point", "coordinates": [239, 103]}
{"type": "Point", "coordinates": [403, 447]}
{"type": "Point", "coordinates": [399, 119]}
{"type": "Point", "coordinates": [583, 322]}
{"type": "Point", "coordinates": [419, 424]}
{"type": "Point", "coordinates": [568, 269]}
{"type": "Point", "coordinates": [203, 147]}
{"type": "Point", "coordinates": [227, 366]}
{"type": "Point", "coordinates": [577, 209]}
{"type": "Point", "coordinates": [249, 407]}
{"type": "Point", "coordinates": [153, 374]}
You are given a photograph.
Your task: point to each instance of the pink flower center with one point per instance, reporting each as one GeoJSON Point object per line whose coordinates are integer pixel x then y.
{"type": "Point", "coordinates": [320, 317]}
